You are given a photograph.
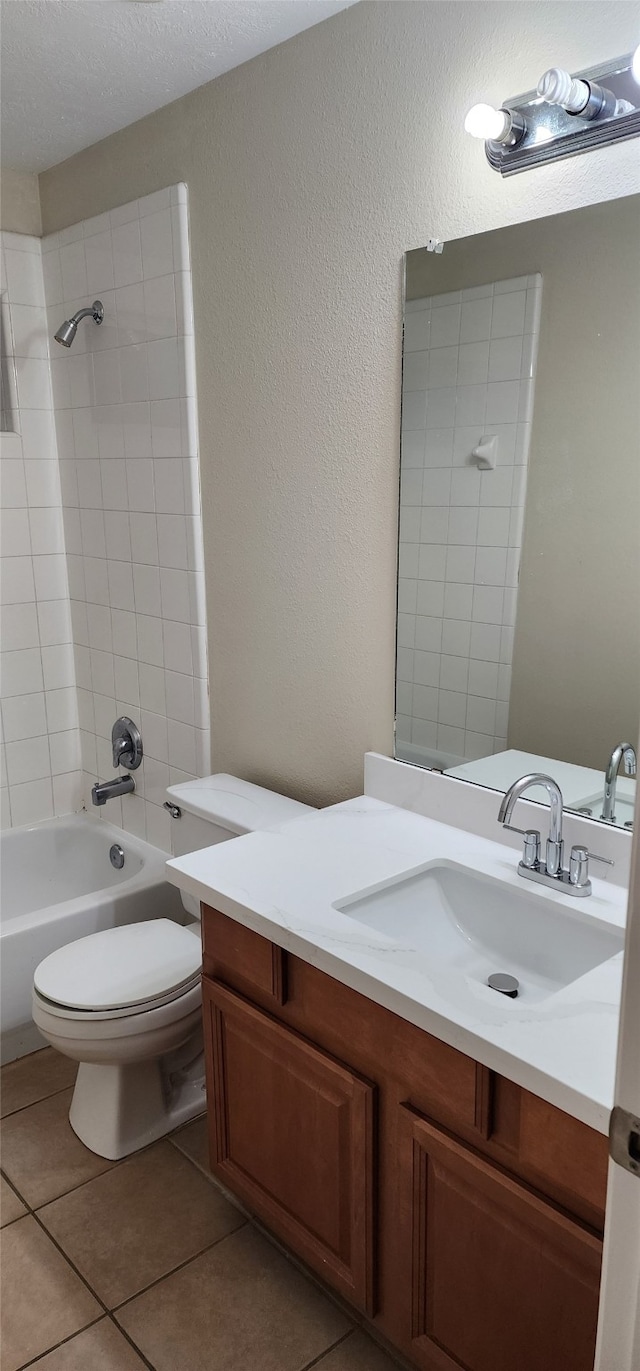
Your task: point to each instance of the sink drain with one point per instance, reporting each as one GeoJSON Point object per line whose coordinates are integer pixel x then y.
{"type": "Point", "coordinates": [505, 984]}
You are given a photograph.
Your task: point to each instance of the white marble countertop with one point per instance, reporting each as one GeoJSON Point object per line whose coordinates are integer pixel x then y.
{"type": "Point", "coordinates": [284, 882]}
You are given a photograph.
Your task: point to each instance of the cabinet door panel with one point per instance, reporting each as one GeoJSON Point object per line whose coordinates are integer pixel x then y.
{"type": "Point", "coordinates": [499, 1278]}
{"type": "Point", "coordinates": [243, 959]}
{"type": "Point", "coordinates": [562, 1156]}
{"type": "Point", "coordinates": [294, 1139]}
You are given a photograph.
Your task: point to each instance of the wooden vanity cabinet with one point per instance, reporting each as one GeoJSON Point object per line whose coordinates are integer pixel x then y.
{"type": "Point", "coordinates": [460, 1213]}
{"type": "Point", "coordinates": [294, 1139]}
{"type": "Point", "coordinates": [495, 1278]}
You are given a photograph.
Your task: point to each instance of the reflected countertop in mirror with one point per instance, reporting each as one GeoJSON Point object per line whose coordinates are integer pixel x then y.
{"type": "Point", "coordinates": [519, 557]}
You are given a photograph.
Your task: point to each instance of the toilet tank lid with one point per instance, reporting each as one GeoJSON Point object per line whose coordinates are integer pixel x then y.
{"type": "Point", "coordinates": [234, 804]}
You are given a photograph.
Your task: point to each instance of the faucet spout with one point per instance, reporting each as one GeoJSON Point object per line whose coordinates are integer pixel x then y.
{"type": "Point", "coordinates": [107, 790]}
{"type": "Point", "coordinates": [518, 789]}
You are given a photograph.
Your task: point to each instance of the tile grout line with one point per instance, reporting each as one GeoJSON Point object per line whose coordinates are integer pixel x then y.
{"type": "Point", "coordinates": [21, 1107]}
{"type": "Point", "coordinates": [112, 1314]}
{"type": "Point", "coordinates": [7, 1180]}
{"type": "Point", "coordinates": [74, 1268]}
{"type": "Point", "coordinates": [123, 1334]}
{"type": "Point", "coordinates": [110, 1311]}
{"type": "Point", "coordinates": [34, 1360]}
{"type": "Point", "coordinates": [180, 1267]}
{"type": "Point", "coordinates": [105, 1310]}
{"type": "Point", "coordinates": [317, 1361]}
{"type": "Point", "coordinates": [115, 1165]}
{"type": "Point", "coordinates": [359, 1324]}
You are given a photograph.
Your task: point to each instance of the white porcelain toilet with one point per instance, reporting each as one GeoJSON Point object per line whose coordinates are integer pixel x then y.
{"type": "Point", "coordinates": [126, 1003]}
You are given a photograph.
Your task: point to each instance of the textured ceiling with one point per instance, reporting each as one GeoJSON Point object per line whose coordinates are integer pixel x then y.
{"type": "Point", "coordinates": [74, 71]}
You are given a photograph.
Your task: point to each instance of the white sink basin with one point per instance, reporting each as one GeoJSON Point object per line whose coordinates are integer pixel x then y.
{"type": "Point", "coordinates": [462, 921]}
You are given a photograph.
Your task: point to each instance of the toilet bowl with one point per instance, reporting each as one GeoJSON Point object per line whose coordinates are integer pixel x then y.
{"type": "Point", "coordinates": [126, 1003]}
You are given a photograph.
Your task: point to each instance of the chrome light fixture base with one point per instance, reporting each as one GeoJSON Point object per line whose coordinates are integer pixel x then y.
{"type": "Point", "coordinates": [551, 133]}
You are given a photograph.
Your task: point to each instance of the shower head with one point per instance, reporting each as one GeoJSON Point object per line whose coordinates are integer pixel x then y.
{"type": "Point", "coordinates": [67, 331]}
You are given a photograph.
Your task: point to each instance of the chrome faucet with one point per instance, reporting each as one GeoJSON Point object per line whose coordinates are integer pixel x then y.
{"type": "Point", "coordinates": [107, 790]}
{"type": "Point", "coordinates": [623, 752]}
{"type": "Point", "coordinates": [573, 880]}
{"type": "Point", "coordinates": [126, 745]}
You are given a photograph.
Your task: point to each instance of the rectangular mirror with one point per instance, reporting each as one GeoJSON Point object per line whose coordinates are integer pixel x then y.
{"type": "Point", "coordinates": [518, 643]}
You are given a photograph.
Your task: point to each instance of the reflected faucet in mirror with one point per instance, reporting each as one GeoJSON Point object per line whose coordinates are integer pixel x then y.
{"type": "Point", "coordinates": [623, 752]}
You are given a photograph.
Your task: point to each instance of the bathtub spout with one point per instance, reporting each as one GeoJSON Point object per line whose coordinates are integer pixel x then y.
{"type": "Point", "coordinates": [107, 790]}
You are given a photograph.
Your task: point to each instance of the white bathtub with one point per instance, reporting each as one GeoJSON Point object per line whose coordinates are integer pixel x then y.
{"type": "Point", "coordinates": [58, 884]}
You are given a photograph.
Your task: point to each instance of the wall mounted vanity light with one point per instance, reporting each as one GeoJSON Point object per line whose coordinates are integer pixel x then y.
{"type": "Point", "coordinates": [564, 116]}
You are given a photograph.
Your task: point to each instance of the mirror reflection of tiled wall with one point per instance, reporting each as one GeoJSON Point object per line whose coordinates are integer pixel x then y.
{"type": "Point", "coordinates": [469, 367]}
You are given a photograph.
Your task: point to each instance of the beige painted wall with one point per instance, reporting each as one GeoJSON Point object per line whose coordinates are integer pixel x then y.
{"type": "Point", "coordinates": [310, 171]}
{"type": "Point", "coordinates": [19, 202]}
{"type": "Point", "coordinates": [576, 669]}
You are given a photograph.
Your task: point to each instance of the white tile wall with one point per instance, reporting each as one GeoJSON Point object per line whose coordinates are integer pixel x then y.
{"type": "Point", "coordinates": [126, 422]}
{"type": "Point", "coordinates": [468, 372]}
{"type": "Point", "coordinates": [40, 744]}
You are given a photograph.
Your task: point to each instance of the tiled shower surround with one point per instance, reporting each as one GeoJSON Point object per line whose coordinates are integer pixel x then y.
{"type": "Point", "coordinates": [40, 748]}
{"type": "Point", "coordinates": [468, 372]}
{"type": "Point", "coordinates": [124, 398]}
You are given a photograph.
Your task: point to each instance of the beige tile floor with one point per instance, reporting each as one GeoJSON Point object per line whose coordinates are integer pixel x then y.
{"type": "Point", "coordinates": [143, 1263]}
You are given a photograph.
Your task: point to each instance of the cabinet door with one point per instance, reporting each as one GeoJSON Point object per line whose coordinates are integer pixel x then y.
{"type": "Point", "coordinates": [495, 1278]}
{"type": "Point", "coordinates": [293, 1137]}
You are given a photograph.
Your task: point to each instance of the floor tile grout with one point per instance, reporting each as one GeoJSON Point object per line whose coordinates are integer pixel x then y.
{"type": "Point", "coordinates": [35, 1209]}
{"type": "Point", "coordinates": [123, 1333]}
{"type": "Point", "coordinates": [70, 1263]}
{"type": "Point", "coordinates": [34, 1360]}
{"type": "Point", "coordinates": [180, 1267]}
{"type": "Point", "coordinates": [104, 1307]}
{"type": "Point", "coordinates": [35, 1214]}
{"type": "Point", "coordinates": [41, 1098]}
{"type": "Point", "coordinates": [80, 1186]}
{"type": "Point", "coordinates": [115, 1166]}
{"type": "Point", "coordinates": [317, 1361]}
{"type": "Point", "coordinates": [8, 1181]}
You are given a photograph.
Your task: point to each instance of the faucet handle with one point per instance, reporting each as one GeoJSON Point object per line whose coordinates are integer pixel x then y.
{"type": "Point", "coordinates": [126, 744]}
{"type": "Point", "coordinates": [579, 864]}
{"type": "Point", "coordinates": [531, 850]}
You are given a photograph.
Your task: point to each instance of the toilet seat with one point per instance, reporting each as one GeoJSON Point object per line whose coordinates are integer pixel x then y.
{"type": "Point", "coordinates": [79, 1026]}
{"type": "Point", "coordinates": [120, 972]}
{"type": "Point", "coordinates": [85, 1016]}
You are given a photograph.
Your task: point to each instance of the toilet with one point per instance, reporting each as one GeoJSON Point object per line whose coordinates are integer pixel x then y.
{"type": "Point", "coordinates": [126, 1003]}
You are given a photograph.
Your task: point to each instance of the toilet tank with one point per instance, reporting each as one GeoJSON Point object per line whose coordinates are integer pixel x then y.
{"type": "Point", "coordinates": [214, 809]}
